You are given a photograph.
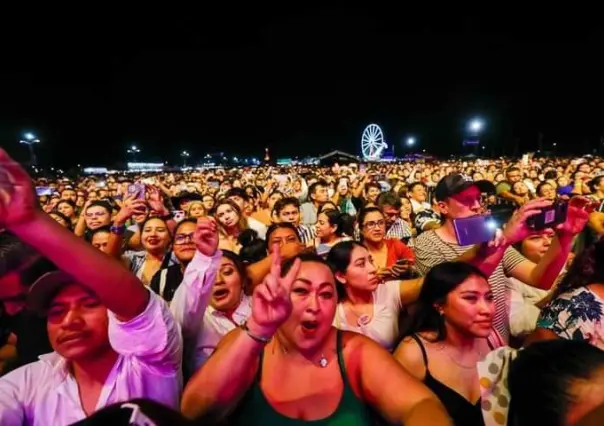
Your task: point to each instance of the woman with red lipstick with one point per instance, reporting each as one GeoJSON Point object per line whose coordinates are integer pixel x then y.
{"type": "Point", "coordinates": [450, 329]}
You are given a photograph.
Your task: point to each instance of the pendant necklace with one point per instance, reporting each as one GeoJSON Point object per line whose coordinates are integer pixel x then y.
{"type": "Point", "coordinates": [323, 361]}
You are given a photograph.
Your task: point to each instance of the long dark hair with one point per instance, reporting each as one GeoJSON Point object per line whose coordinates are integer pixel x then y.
{"type": "Point", "coordinates": [542, 376]}
{"type": "Point", "coordinates": [441, 280]}
{"type": "Point", "coordinates": [338, 260]}
{"type": "Point", "coordinates": [240, 266]}
{"type": "Point", "coordinates": [343, 222]}
{"type": "Point", "coordinates": [586, 269]}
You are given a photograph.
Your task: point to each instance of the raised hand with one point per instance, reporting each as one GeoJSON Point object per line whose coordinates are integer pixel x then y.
{"type": "Point", "coordinates": [156, 201]}
{"type": "Point", "coordinates": [576, 218]}
{"type": "Point", "coordinates": [206, 236]}
{"type": "Point", "coordinates": [516, 229]}
{"type": "Point", "coordinates": [18, 202]}
{"type": "Point", "coordinates": [271, 302]}
{"type": "Point", "coordinates": [130, 207]}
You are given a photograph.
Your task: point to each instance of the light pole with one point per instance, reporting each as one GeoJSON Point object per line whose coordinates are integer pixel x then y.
{"type": "Point", "coordinates": [185, 155]}
{"type": "Point", "coordinates": [133, 150]}
{"type": "Point", "coordinates": [30, 139]}
{"type": "Point", "coordinates": [475, 127]}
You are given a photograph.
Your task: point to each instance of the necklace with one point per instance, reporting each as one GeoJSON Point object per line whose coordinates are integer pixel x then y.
{"type": "Point", "coordinates": [443, 348]}
{"type": "Point", "coordinates": [323, 361]}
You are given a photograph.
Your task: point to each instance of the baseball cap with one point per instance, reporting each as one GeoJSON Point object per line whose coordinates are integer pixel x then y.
{"type": "Point", "coordinates": [45, 288]}
{"type": "Point", "coordinates": [137, 412]}
{"type": "Point", "coordinates": [455, 183]}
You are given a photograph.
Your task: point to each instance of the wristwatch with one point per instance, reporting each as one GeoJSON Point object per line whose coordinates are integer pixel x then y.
{"type": "Point", "coordinates": [117, 230]}
{"type": "Point", "coordinates": [259, 339]}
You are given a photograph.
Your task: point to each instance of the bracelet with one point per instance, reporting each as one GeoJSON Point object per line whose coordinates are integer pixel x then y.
{"type": "Point", "coordinates": [255, 337]}
{"type": "Point", "coordinates": [117, 229]}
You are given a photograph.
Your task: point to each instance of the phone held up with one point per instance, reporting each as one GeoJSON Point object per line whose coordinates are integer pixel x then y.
{"type": "Point", "coordinates": [475, 229]}
{"type": "Point", "coordinates": [138, 190]}
{"type": "Point", "coordinates": [480, 229]}
{"type": "Point", "coordinates": [549, 217]}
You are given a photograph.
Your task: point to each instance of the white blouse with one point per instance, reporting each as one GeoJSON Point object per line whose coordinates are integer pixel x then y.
{"type": "Point", "coordinates": [383, 326]}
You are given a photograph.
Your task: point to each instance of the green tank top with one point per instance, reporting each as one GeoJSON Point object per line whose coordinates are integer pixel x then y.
{"type": "Point", "coordinates": [254, 409]}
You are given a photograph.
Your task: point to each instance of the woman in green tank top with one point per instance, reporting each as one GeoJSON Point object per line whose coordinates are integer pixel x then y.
{"type": "Point", "coordinates": [289, 366]}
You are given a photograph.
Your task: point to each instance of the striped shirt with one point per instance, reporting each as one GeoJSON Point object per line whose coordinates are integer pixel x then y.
{"type": "Point", "coordinates": [431, 250]}
{"type": "Point", "coordinates": [307, 234]}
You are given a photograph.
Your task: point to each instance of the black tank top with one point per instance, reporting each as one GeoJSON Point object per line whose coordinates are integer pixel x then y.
{"type": "Point", "coordinates": [462, 411]}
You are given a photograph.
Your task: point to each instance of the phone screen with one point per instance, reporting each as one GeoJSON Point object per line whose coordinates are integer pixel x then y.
{"type": "Point", "coordinates": [43, 190]}
{"type": "Point", "coordinates": [475, 229]}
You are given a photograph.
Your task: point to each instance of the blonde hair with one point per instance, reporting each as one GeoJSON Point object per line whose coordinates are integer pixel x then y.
{"type": "Point", "coordinates": [241, 225]}
{"type": "Point", "coordinates": [190, 206]}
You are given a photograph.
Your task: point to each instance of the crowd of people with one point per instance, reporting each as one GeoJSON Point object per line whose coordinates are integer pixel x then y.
{"type": "Point", "coordinates": [335, 295]}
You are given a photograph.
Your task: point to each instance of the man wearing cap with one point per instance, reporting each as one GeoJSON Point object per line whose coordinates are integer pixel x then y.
{"type": "Point", "coordinates": [459, 197]}
{"type": "Point", "coordinates": [113, 339]}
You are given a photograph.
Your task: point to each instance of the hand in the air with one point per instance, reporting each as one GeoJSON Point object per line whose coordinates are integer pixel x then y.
{"type": "Point", "coordinates": [576, 218]}
{"type": "Point", "coordinates": [271, 302]}
{"type": "Point", "coordinates": [516, 229]}
{"type": "Point", "coordinates": [130, 207]}
{"type": "Point", "coordinates": [206, 236]}
{"type": "Point", "coordinates": [18, 203]}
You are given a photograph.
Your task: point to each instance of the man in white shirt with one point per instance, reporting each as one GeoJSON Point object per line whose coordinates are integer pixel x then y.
{"type": "Point", "coordinates": [142, 356]}
{"type": "Point", "coordinates": [113, 340]}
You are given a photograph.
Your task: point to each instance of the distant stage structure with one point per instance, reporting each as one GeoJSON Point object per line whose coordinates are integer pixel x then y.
{"type": "Point", "coordinates": [372, 143]}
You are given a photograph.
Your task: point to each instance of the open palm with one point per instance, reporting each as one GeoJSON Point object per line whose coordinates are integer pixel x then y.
{"type": "Point", "coordinates": [17, 198]}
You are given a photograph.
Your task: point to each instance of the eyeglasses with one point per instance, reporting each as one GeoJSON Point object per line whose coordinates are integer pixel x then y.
{"type": "Point", "coordinates": [180, 239]}
{"type": "Point", "coordinates": [371, 225]}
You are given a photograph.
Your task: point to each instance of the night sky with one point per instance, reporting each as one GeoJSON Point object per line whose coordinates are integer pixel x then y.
{"type": "Point", "coordinates": [300, 83]}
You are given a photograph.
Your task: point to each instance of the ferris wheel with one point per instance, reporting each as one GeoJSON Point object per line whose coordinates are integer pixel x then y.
{"type": "Point", "coordinates": [372, 142]}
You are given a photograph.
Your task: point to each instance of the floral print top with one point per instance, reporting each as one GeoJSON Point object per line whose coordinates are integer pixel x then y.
{"type": "Point", "coordinates": [576, 315]}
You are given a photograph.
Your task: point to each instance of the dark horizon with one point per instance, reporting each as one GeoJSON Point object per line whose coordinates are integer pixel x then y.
{"type": "Point", "coordinates": [300, 85]}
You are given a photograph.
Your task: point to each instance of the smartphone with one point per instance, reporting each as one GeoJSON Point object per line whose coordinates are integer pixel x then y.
{"type": "Point", "coordinates": [214, 184]}
{"type": "Point", "coordinates": [137, 189]}
{"type": "Point", "coordinates": [179, 215]}
{"type": "Point", "coordinates": [549, 216]}
{"type": "Point", "coordinates": [43, 190]}
{"type": "Point", "coordinates": [475, 229]}
{"type": "Point", "coordinates": [343, 183]}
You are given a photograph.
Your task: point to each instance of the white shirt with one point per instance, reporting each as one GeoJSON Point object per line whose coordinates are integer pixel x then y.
{"type": "Point", "coordinates": [522, 311]}
{"type": "Point", "coordinates": [257, 226]}
{"type": "Point", "coordinates": [202, 325]}
{"type": "Point", "coordinates": [418, 207]}
{"type": "Point", "coordinates": [383, 326]}
{"type": "Point", "coordinates": [44, 393]}
{"type": "Point", "coordinates": [215, 326]}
